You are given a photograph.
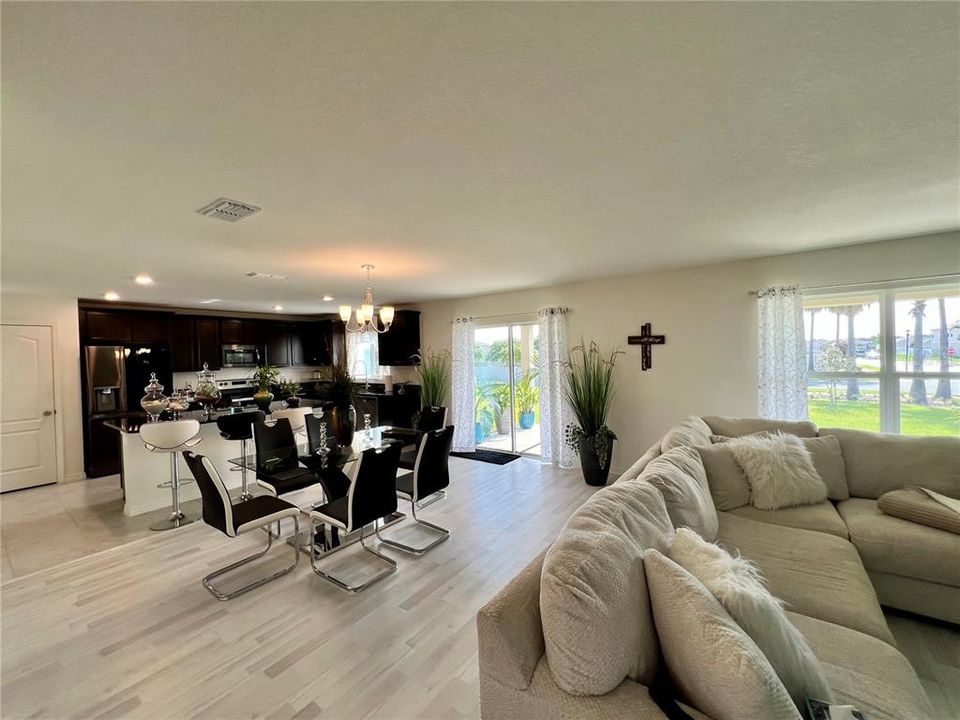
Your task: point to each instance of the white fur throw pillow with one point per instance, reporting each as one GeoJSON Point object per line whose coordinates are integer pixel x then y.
{"type": "Point", "coordinates": [737, 584]}
{"type": "Point", "coordinates": [779, 469]}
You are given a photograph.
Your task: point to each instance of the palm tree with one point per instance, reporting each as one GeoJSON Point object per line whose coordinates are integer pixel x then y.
{"type": "Point", "coordinates": [918, 389]}
{"type": "Point", "coordinates": [810, 364]}
{"type": "Point", "coordinates": [853, 386]}
{"type": "Point", "coordinates": [943, 384]}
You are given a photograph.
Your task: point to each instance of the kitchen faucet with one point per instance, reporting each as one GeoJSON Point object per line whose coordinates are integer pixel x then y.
{"type": "Point", "coordinates": [366, 380]}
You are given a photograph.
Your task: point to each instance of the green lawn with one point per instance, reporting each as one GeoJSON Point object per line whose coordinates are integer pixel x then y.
{"type": "Point", "coordinates": [914, 420]}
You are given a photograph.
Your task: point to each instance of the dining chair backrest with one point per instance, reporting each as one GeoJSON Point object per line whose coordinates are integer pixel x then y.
{"type": "Point", "coordinates": [431, 472]}
{"type": "Point", "coordinates": [313, 433]}
{"type": "Point", "coordinates": [217, 506]}
{"type": "Point", "coordinates": [238, 426]}
{"type": "Point", "coordinates": [432, 418]}
{"type": "Point", "coordinates": [170, 436]}
{"type": "Point", "coordinates": [373, 490]}
{"type": "Point", "coordinates": [296, 416]}
{"type": "Point", "coordinates": [276, 446]}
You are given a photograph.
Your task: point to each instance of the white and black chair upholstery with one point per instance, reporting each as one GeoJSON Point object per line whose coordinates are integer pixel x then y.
{"type": "Point", "coordinates": [431, 474]}
{"type": "Point", "coordinates": [239, 427]}
{"type": "Point", "coordinates": [278, 460]}
{"type": "Point", "coordinates": [172, 437]}
{"type": "Point", "coordinates": [431, 418]}
{"type": "Point", "coordinates": [372, 495]}
{"type": "Point", "coordinates": [234, 520]}
{"type": "Point", "coordinates": [297, 417]}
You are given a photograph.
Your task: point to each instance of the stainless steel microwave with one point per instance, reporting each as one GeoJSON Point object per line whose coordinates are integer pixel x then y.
{"type": "Point", "coordinates": [235, 356]}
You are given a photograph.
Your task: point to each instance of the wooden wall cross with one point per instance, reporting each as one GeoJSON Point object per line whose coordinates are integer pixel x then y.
{"type": "Point", "coordinates": [645, 340]}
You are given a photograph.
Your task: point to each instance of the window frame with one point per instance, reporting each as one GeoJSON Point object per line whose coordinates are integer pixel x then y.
{"type": "Point", "coordinates": [887, 379]}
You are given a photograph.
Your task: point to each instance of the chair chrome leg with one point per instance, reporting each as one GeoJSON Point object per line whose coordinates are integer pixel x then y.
{"type": "Point", "coordinates": [442, 532]}
{"type": "Point", "coordinates": [256, 583]}
{"type": "Point", "coordinates": [177, 517]}
{"type": "Point", "coordinates": [245, 490]}
{"type": "Point", "coordinates": [391, 567]}
{"type": "Point", "coordinates": [438, 495]}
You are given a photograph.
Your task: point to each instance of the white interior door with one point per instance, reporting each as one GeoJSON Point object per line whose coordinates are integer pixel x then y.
{"type": "Point", "coordinates": [28, 433]}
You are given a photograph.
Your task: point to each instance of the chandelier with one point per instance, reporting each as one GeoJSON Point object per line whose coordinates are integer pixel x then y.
{"type": "Point", "coordinates": [365, 315]}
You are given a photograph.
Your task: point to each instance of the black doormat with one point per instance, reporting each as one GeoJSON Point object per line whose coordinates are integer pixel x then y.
{"type": "Point", "coordinates": [488, 456]}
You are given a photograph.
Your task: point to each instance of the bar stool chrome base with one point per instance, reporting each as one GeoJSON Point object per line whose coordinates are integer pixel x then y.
{"type": "Point", "coordinates": [175, 520]}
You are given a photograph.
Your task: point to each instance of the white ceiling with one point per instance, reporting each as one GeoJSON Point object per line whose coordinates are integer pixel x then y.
{"type": "Point", "coordinates": [462, 148]}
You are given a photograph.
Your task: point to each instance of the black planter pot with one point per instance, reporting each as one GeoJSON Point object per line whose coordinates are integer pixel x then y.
{"type": "Point", "coordinates": [593, 472]}
{"type": "Point", "coordinates": [262, 400]}
{"type": "Point", "coordinates": [343, 422]}
{"type": "Point", "coordinates": [293, 401]}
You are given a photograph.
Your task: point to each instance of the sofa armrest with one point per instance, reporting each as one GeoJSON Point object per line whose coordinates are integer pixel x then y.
{"type": "Point", "coordinates": [509, 632]}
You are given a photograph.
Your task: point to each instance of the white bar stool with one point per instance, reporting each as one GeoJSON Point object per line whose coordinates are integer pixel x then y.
{"type": "Point", "coordinates": [171, 438]}
{"type": "Point", "coordinates": [296, 416]}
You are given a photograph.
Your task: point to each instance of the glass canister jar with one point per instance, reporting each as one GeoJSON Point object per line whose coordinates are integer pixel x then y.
{"type": "Point", "coordinates": [154, 402]}
{"type": "Point", "coordinates": [207, 392]}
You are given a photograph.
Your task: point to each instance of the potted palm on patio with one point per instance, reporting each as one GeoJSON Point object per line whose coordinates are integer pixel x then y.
{"type": "Point", "coordinates": [588, 387]}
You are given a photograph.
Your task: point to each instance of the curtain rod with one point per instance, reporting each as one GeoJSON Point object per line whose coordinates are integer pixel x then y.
{"type": "Point", "coordinates": [948, 276]}
{"type": "Point", "coordinates": [505, 315]}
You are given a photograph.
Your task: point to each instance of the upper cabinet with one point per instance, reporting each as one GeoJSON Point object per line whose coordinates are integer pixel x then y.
{"type": "Point", "coordinates": [238, 331]}
{"type": "Point", "coordinates": [104, 326]}
{"type": "Point", "coordinates": [402, 340]}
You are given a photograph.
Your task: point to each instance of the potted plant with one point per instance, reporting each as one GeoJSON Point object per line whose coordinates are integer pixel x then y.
{"type": "Point", "coordinates": [501, 398]}
{"type": "Point", "coordinates": [290, 390]}
{"type": "Point", "coordinates": [265, 376]}
{"type": "Point", "coordinates": [342, 392]}
{"type": "Point", "coordinates": [433, 369]}
{"type": "Point", "coordinates": [588, 387]}
{"type": "Point", "coordinates": [485, 412]}
{"type": "Point", "coordinates": [528, 398]}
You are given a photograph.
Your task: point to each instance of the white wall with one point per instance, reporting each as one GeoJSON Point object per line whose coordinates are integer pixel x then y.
{"type": "Point", "coordinates": [698, 309]}
{"type": "Point", "coordinates": [60, 313]}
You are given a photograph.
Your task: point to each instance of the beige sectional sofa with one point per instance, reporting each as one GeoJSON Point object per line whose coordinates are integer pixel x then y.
{"type": "Point", "coordinates": [833, 564]}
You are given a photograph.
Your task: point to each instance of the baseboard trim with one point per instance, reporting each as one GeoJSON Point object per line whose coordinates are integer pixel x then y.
{"type": "Point", "coordinates": [74, 477]}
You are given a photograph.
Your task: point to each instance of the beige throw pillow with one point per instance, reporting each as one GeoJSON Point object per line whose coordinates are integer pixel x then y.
{"type": "Point", "coordinates": [715, 665]}
{"type": "Point", "coordinates": [917, 506]}
{"type": "Point", "coordinates": [737, 584]}
{"type": "Point", "coordinates": [679, 475]}
{"type": "Point", "coordinates": [780, 471]}
{"type": "Point", "coordinates": [594, 605]}
{"type": "Point", "coordinates": [728, 483]}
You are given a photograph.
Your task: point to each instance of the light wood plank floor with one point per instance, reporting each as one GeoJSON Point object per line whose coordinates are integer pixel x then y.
{"type": "Point", "coordinates": [130, 632]}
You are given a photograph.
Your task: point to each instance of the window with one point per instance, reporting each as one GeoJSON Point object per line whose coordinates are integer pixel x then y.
{"type": "Point", "coordinates": [363, 357]}
{"type": "Point", "coordinates": [886, 359]}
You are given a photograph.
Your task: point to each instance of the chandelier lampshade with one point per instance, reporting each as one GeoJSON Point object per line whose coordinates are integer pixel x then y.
{"type": "Point", "coordinates": [365, 316]}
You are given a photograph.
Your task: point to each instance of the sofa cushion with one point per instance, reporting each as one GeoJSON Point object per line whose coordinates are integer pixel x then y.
{"type": "Point", "coordinates": [634, 470]}
{"type": "Point", "coordinates": [822, 517]}
{"type": "Point", "coordinates": [679, 475]}
{"type": "Point", "coordinates": [900, 547]}
{"type": "Point", "coordinates": [917, 596]}
{"type": "Point", "coordinates": [692, 431]}
{"type": "Point", "coordinates": [714, 664]}
{"type": "Point", "coordinates": [779, 469]}
{"type": "Point", "coordinates": [735, 427]}
{"type": "Point", "coordinates": [594, 605]}
{"type": "Point", "coordinates": [865, 672]}
{"type": "Point", "coordinates": [877, 463]}
{"type": "Point", "coordinates": [814, 573]}
{"type": "Point", "coordinates": [728, 483]}
{"type": "Point", "coordinates": [915, 505]}
{"type": "Point", "coordinates": [737, 584]}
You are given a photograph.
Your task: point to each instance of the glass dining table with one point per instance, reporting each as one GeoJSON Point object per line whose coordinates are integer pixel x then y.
{"type": "Point", "coordinates": [334, 469]}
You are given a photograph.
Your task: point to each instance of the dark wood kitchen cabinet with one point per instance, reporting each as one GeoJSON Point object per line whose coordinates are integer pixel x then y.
{"type": "Point", "coordinates": [237, 331]}
{"type": "Point", "coordinates": [105, 326]}
{"type": "Point", "coordinates": [402, 340]}
{"type": "Point", "coordinates": [311, 343]}
{"type": "Point", "coordinates": [150, 327]}
{"type": "Point", "coordinates": [277, 338]}
{"type": "Point", "coordinates": [208, 343]}
{"type": "Point", "coordinates": [183, 344]}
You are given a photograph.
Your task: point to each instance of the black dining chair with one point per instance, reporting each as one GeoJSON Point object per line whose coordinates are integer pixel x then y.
{"type": "Point", "coordinates": [431, 418]}
{"type": "Point", "coordinates": [278, 460]}
{"type": "Point", "coordinates": [372, 495]}
{"type": "Point", "coordinates": [234, 520]}
{"type": "Point", "coordinates": [239, 426]}
{"type": "Point", "coordinates": [431, 474]}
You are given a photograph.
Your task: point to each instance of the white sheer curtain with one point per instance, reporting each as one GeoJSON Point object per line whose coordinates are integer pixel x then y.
{"type": "Point", "coordinates": [463, 391]}
{"type": "Point", "coordinates": [782, 388]}
{"type": "Point", "coordinates": [555, 412]}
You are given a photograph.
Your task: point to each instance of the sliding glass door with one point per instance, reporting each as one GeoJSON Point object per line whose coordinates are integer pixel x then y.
{"type": "Point", "coordinates": [507, 358]}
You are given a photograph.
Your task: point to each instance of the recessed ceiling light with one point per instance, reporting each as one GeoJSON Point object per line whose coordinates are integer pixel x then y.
{"type": "Point", "coordinates": [143, 279]}
{"type": "Point", "coordinates": [210, 301]}
{"type": "Point", "coordinates": [278, 308]}
{"type": "Point", "coordinates": [328, 298]}
{"type": "Point", "coordinates": [111, 295]}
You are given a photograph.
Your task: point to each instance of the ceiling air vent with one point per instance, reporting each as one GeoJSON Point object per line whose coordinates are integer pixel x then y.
{"type": "Point", "coordinates": [228, 210]}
